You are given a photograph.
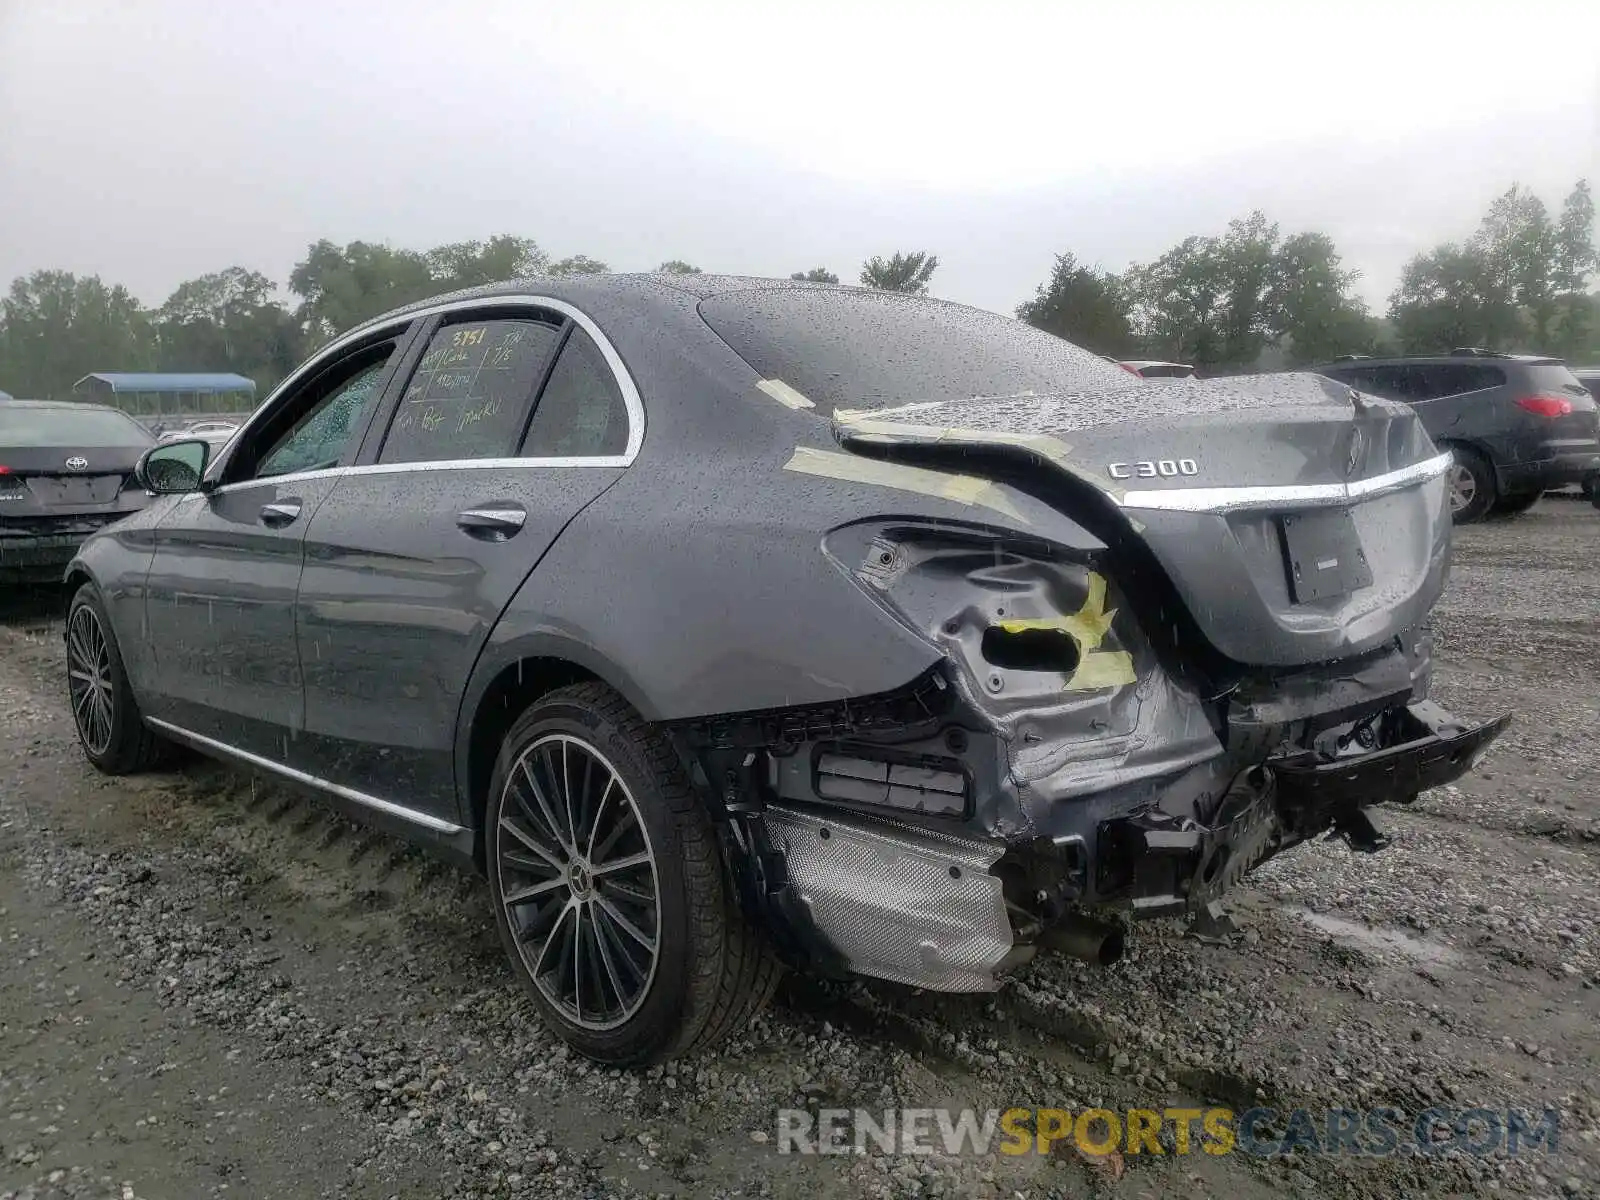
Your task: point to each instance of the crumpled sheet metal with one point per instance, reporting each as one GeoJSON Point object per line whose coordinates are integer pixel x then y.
{"type": "Point", "coordinates": [897, 902]}
{"type": "Point", "coordinates": [1087, 628]}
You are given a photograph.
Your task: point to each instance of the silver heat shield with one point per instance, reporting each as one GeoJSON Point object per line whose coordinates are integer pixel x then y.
{"type": "Point", "coordinates": [899, 902]}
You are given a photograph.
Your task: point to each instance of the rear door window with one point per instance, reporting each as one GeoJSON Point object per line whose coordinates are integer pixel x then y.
{"type": "Point", "coordinates": [580, 413]}
{"type": "Point", "coordinates": [472, 390]}
{"type": "Point", "coordinates": [1435, 380]}
{"type": "Point", "coordinates": [1388, 382]}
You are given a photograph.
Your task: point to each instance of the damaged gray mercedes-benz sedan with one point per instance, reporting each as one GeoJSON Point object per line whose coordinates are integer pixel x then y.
{"type": "Point", "coordinates": [730, 623]}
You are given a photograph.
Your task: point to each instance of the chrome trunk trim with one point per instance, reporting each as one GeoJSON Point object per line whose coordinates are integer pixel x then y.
{"type": "Point", "coordinates": [1293, 495]}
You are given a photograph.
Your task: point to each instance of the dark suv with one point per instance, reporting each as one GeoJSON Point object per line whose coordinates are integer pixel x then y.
{"type": "Point", "coordinates": [1518, 425]}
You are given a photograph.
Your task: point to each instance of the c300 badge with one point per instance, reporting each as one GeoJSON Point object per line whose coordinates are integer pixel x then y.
{"type": "Point", "coordinates": [1153, 468]}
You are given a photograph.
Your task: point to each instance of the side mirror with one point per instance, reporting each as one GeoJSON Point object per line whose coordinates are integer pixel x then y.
{"type": "Point", "coordinates": [173, 467]}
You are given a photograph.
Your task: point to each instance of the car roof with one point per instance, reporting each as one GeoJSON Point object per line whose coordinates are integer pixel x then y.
{"type": "Point", "coordinates": [598, 294]}
{"type": "Point", "coordinates": [1368, 360]}
{"type": "Point", "coordinates": [72, 404]}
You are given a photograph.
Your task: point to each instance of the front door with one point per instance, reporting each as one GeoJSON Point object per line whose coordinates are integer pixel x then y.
{"type": "Point", "coordinates": [510, 426]}
{"type": "Point", "coordinates": [222, 582]}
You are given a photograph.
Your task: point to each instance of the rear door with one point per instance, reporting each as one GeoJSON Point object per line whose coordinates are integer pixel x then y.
{"type": "Point", "coordinates": [221, 587]}
{"type": "Point", "coordinates": [513, 421]}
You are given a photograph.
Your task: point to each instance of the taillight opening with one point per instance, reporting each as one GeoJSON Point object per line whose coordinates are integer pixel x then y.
{"type": "Point", "coordinates": [1545, 406]}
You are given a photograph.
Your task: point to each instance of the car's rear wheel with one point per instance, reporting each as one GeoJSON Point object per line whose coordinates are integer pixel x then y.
{"type": "Point", "coordinates": [111, 729]}
{"type": "Point", "coordinates": [608, 888]}
{"type": "Point", "coordinates": [1472, 490]}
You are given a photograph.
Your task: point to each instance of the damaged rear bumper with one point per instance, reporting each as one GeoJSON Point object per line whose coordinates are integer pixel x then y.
{"type": "Point", "coordinates": [1157, 866]}
{"type": "Point", "coordinates": [936, 908]}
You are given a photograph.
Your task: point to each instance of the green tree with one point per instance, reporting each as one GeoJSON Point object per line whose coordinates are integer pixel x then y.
{"type": "Point", "coordinates": [1315, 315]}
{"type": "Point", "coordinates": [1085, 305]}
{"type": "Point", "coordinates": [907, 273]}
{"type": "Point", "coordinates": [1177, 303]}
{"type": "Point", "coordinates": [676, 266]}
{"type": "Point", "coordinates": [578, 264]}
{"type": "Point", "coordinates": [1575, 331]}
{"type": "Point", "coordinates": [228, 321]}
{"type": "Point", "coordinates": [474, 264]}
{"type": "Point", "coordinates": [341, 286]}
{"type": "Point", "coordinates": [1519, 282]}
{"type": "Point", "coordinates": [815, 275]}
{"type": "Point", "coordinates": [1448, 297]}
{"type": "Point", "coordinates": [56, 328]}
{"type": "Point", "coordinates": [1250, 295]}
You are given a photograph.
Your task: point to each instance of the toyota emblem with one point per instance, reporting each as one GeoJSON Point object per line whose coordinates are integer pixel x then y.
{"type": "Point", "coordinates": [77, 463]}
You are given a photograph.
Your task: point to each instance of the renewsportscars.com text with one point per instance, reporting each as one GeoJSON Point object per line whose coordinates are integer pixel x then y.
{"type": "Point", "coordinates": [1374, 1132]}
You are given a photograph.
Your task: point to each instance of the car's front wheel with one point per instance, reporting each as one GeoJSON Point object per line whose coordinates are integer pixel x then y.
{"type": "Point", "coordinates": [111, 730]}
{"type": "Point", "coordinates": [608, 888]}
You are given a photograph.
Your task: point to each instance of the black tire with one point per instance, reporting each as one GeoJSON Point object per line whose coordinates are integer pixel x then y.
{"type": "Point", "coordinates": [1472, 487]}
{"type": "Point", "coordinates": [1510, 506]}
{"type": "Point", "coordinates": [709, 970]}
{"type": "Point", "coordinates": [114, 737]}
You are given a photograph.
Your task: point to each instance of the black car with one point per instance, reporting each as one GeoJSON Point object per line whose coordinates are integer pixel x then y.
{"type": "Point", "coordinates": [729, 623]}
{"type": "Point", "coordinates": [1518, 425]}
{"type": "Point", "coordinates": [1590, 378]}
{"type": "Point", "coordinates": [66, 470]}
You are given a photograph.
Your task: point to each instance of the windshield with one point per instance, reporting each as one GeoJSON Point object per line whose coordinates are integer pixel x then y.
{"type": "Point", "coordinates": [69, 426]}
{"type": "Point", "coordinates": [849, 349]}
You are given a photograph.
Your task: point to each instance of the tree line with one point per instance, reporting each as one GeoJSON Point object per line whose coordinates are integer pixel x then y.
{"type": "Point", "coordinates": [1246, 298]}
{"type": "Point", "coordinates": [1252, 297]}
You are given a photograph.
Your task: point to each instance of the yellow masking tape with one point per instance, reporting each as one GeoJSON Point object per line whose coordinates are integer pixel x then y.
{"type": "Point", "coordinates": [784, 394]}
{"type": "Point", "coordinates": [1087, 627]}
{"type": "Point", "coordinates": [1102, 669]}
{"type": "Point", "coordinates": [851, 468]}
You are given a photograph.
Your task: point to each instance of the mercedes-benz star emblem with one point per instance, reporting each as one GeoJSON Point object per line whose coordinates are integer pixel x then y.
{"type": "Point", "coordinates": [1353, 455]}
{"type": "Point", "coordinates": [77, 463]}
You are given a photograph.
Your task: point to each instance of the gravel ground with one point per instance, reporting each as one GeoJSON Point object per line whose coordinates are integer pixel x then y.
{"type": "Point", "coordinates": [211, 986]}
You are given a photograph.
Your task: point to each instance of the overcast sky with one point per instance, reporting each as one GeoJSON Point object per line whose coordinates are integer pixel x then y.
{"type": "Point", "coordinates": [150, 141]}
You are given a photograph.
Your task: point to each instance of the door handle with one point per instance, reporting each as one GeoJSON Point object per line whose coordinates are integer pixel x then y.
{"type": "Point", "coordinates": [496, 524]}
{"type": "Point", "coordinates": [278, 515]}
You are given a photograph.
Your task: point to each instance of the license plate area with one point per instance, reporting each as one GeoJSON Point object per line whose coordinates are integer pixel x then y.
{"type": "Point", "coordinates": [1323, 554]}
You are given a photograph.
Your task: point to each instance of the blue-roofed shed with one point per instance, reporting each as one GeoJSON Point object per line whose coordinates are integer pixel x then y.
{"type": "Point", "coordinates": [204, 383]}
{"type": "Point", "coordinates": [171, 399]}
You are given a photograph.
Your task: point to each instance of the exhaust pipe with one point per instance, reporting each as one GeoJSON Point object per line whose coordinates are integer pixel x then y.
{"type": "Point", "coordinates": [1088, 938]}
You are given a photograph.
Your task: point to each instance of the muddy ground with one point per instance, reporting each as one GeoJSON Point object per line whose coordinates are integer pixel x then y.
{"type": "Point", "coordinates": [211, 987]}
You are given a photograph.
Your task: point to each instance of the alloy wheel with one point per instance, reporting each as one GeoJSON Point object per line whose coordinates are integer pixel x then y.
{"type": "Point", "coordinates": [577, 879]}
{"type": "Point", "coordinates": [89, 679]}
{"type": "Point", "coordinates": [1463, 487]}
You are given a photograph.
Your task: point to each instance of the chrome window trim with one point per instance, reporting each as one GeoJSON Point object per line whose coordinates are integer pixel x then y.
{"type": "Point", "coordinates": [1293, 495]}
{"type": "Point", "coordinates": [449, 464]}
{"type": "Point", "coordinates": [387, 807]}
{"type": "Point", "coordinates": [631, 400]}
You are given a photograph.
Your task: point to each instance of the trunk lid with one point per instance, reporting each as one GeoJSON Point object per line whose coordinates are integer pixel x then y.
{"type": "Point", "coordinates": [64, 477]}
{"type": "Point", "coordinates": [1297, 521]}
